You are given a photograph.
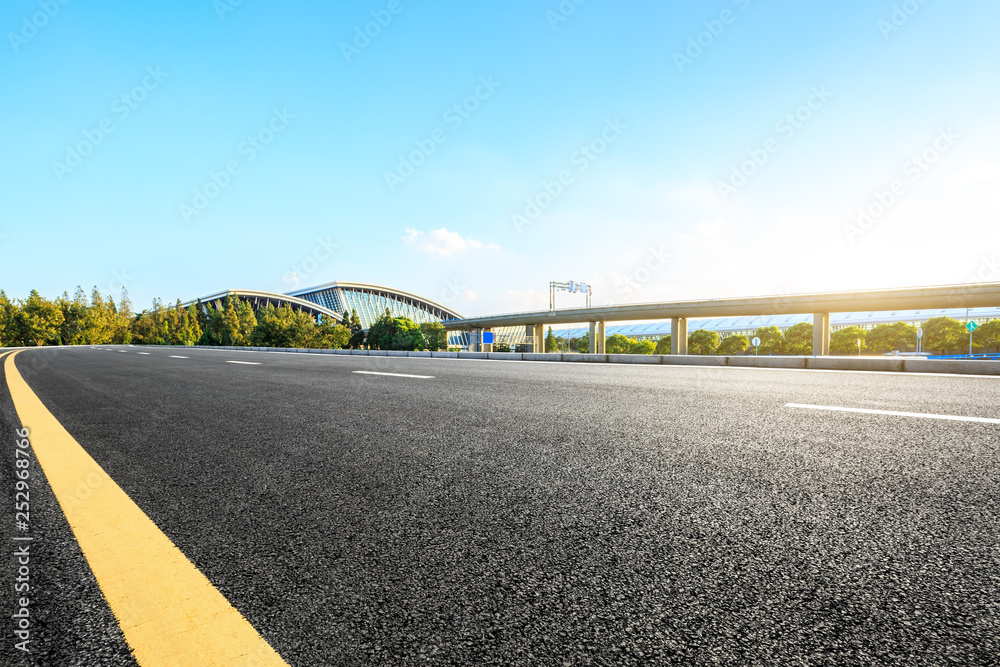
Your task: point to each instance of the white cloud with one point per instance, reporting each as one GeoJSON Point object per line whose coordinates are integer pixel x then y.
{"type": "Point", "coordinates": [443, 242]}
{"type": "Point", "coordinates": [529, 299]}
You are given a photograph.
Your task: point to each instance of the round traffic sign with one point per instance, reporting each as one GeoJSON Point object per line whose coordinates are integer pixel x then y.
{"type": "Point", "coordinates": [755, 342]}
{"type": "Point", "coordinates": [920, 333]}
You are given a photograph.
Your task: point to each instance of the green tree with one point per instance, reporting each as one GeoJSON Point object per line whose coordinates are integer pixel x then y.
{"type": "Point", "coordinates": [238, 322]}
{"type": "Point", "coordinates": [435, 336]}
{"type": "Point", "coordinates": [283, 327]}
{"type": "Point", "coordinates": [247, 321]}
{"type": "Point", "coordinates": [945, 334]}
{"type": "Point", "coordinates": [582, 344]}
{"type": "Point", "coordinates": [74, 313]}
{"type": "Point", "coordinates": [211, 324]}
{"type": "Point", "coordinates": [204, 318]}
{"type": "Point", "coordinates": [382, 332]}
{"type": "Point", "coordinates": [845, 341]}
{"type": "Point", "coordinates": [123, 322]}
{"type": "Point", "coordinates": [703, 341]}
{"type": "Point", "coordinates": [99, 321]}
{"type": "Point", "coordinates": [331, 335]}
{"type": "Point", "coordinates": [10, 335]}
{"type": "Point", "coordinates": [39, 319]}
{"type": "Point", "coordinates": [987, 336]}
{"type": "Point", "coordinates": [353, 323]}
{"type": "Point", "coordinates": [190, 332]}
{"type": "Point", "coordinates": [663, 345]}
{"type": "Point", "coordinates": [799, 339]}
{"type": "Point", "coordinates": [408, 336]}
{"type": "Point", "coordinates": [618, 344]}
{"type": "Point", "coordinates": [735, 344]}
{"type": "Point", "coordinates": [642, 347]}
{"type": "Point", "coordinates": [551, 344]}
{"type": "Point", "coordinates": [896, 336]}
{"type": "Point", "coordinates": [771, 340]}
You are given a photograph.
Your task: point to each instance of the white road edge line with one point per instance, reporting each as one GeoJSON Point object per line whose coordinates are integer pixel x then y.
{"type": "Point", "coordinates": [246, 363]}
{"type": "Point", "coordinates": [398, 375]}
{"type": "Point", "coordinates": [921, 415]}
{"type": "Point", "coordinates": [174, 356]}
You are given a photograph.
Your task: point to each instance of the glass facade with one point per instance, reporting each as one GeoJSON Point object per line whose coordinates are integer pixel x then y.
{"type": "Point", "coordinates": [370, 301]}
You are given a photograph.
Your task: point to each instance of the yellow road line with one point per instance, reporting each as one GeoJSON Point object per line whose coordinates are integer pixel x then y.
{"type": "Point", "coordinates": [169, 612]}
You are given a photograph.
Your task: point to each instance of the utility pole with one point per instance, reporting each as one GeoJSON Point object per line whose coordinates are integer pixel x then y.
{"type": "Point", "coordinates": [970, 331]}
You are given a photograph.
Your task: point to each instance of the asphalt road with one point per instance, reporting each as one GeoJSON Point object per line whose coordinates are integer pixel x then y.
{"type": "Point", "coordinates": [535, 513]}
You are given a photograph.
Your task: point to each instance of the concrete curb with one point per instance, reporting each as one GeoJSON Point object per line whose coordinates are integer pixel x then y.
{"type": "Point", "coordinates": [854, 364]}
{"type": "Point", "coordinates": [879, 364]}
{"type": "Point", "coordinates": [951, 366]}
{"type": "Point", "coordinates": [693, 360]}
{"type": "Point", "coordinates": [548, 356]}
{"type": "Point", "coordinates": [505, 356]}
{"type": "Point", "coordinates": [767, 362]}
{"type": "Point", "coordinates": [634, 359]}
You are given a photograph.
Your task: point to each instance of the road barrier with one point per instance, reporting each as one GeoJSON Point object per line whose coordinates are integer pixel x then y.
{"type": "Point", "coordinates": [879, 364]}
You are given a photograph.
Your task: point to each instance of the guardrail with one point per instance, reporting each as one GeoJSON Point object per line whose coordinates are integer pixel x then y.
{"type": "Point", "coordinates": [971, 357]}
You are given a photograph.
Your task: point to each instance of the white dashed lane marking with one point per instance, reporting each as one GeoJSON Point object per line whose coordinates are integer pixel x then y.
{"type": "Point", "coordinates": [919, 415]}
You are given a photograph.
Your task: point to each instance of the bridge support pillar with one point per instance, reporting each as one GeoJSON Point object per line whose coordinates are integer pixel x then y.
{"type": "Point", "coordinates": [592, 334]}
{"type": "Point", "coordinates": [678, 335]}
{"type": "Point", "coordinates": [597, 338]}
{"type": "Point", "coordinates": [821, 334]}
{"type": "Point", "coordinates": [486, 347]}
{"type": "Point", "coordinates": [535, 335]}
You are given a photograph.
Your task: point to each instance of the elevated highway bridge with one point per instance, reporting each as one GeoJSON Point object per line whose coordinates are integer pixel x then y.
{"type": "Point", "coordinates": [820, 304]}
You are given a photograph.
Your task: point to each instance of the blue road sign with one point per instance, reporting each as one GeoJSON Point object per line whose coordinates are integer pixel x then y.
{"type": "Point", "coordinates": [487, 337]}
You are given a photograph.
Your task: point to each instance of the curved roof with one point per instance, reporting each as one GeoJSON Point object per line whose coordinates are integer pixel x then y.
{"type": "Point", "coordinates": [265, 298]}
{"type": "Point", "coordinates": [422, 302]}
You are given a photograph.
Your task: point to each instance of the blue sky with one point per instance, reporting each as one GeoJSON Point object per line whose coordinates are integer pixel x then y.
{"type": "Point", "coordinates": [721, 148]}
